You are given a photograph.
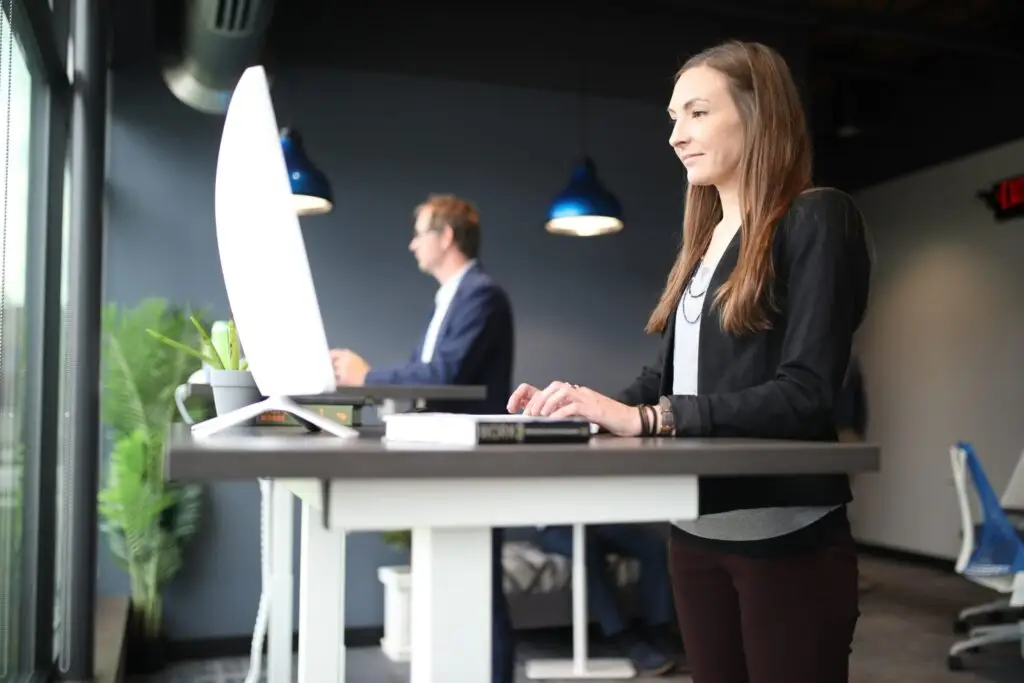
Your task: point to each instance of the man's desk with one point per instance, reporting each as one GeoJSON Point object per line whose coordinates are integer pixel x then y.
{"type": "Point", "coordinates": [376, 394]}
{"type": "Point", "coordinates": [451, 497]}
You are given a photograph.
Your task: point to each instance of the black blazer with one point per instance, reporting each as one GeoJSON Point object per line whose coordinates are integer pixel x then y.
{"type": "Point", "coordinates": [782, 383]}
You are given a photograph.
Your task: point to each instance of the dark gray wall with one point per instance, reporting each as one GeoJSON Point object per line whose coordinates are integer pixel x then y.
{"type": "Point", "coordinates": [385, 142]}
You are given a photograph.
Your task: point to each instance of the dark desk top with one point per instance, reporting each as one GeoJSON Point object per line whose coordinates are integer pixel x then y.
{"type": "Point", "coordinates": [376, 393]}
{"type": "Point", "coordinates": [291, 453]}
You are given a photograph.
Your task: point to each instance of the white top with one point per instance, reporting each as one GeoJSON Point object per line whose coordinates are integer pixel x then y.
{"type": "Point", "coordinates": [734, 525]}
{"type": "Point", "coordinates": [442, 302]}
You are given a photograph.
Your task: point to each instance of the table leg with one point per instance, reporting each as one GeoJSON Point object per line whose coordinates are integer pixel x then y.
{"type": "Point", "coordinates": [321, 601]}
{"type": "Point", "coordinates": [580, 667]}
{"type": "Point", "coordinates": [451, 605]}
{"type": "Point", "coordinates": [281, 546]}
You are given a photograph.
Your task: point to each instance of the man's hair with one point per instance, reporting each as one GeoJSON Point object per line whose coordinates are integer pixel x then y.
{"type": "Point", "coordinates": [459, 214]}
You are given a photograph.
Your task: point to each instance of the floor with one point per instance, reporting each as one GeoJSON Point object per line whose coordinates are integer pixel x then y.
{"type": "Point", "coordinates": [903, 637]}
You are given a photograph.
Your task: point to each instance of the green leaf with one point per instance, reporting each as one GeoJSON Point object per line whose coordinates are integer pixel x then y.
{"type": "Point", "coordinates": [182, 347]}
{"type": "Point", "coordinates": [207, 344]}
{"type": "Point", "coordinates": [148, 350]}
{"type": "Point", "coordinates": [233, 345]}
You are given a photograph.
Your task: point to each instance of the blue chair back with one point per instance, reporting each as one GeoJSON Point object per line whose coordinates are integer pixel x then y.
{"type": "Point", "coordinates": [998, 550]}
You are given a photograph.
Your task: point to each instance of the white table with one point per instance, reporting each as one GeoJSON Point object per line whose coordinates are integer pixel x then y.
{"type": "Point", "coordinates": [451, 498]}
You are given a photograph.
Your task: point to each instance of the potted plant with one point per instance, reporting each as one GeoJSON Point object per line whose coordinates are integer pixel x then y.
{"type": "Point", "coordinates": [147, 520]}
{"type": "Point", "coordinates": [220, 350]}
{"type": "Point", "coordinates": [397, 582]}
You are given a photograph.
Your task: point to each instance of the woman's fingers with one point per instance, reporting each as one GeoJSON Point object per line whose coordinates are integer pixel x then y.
{"type": "Point", "coordinates": [538, 399]}
{"type": "Point", "coordinates": [520, 397]}
{"type": "Point", "coordinates": [571, 409]}
{"type": "Point", "coordinates": [556, 400]}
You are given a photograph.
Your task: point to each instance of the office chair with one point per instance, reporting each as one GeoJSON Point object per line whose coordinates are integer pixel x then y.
{"type": "Point", "coordinates": [995, 559]}
{"type": "Point", "coordinates": [998, 611]}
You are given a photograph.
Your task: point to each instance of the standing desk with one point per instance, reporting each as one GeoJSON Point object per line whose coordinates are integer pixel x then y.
{"type": "Point", "coordinates": [451, 497]}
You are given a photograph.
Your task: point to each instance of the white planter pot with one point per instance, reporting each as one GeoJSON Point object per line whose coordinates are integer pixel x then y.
{"type": "Point", "coordinates": [397, 583]}
{"type": "Point", "coordinates": [233, 389]}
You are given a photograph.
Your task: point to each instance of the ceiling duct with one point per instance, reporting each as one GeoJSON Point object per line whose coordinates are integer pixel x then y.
{"type": "Point", "coordinates": [219, 39]}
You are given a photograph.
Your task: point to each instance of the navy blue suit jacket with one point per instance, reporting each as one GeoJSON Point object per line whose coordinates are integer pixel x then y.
{"type": "Point", "coordinates": [475, 345]}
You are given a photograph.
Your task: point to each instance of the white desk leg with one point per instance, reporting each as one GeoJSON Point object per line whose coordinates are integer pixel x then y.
{"type": "Point", "coordinates": [451, 606]}
{"type": "Point", "coordinates": [282, 547]}
{"type": "Point", "coordinates": [580, 667]}
{"type": "Point", "coordinates": [321, 601]}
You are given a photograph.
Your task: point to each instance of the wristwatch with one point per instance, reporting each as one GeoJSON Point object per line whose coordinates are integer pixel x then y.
{"type": "Point", "coordinates": [667, 421]}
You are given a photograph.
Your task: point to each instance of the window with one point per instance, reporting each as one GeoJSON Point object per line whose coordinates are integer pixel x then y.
{"type": "Point", "coordinates": [15, 117]}
{"type": "Point", "coordinates": [61, 568]}
{"type": "Point", "coordinates": [63, 497]}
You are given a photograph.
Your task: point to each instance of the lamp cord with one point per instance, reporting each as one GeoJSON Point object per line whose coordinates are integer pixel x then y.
{"type": "Point", "coordinates": [582, 107]}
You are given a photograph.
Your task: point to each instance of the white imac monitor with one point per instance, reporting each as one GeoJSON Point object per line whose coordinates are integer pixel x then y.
{"type": "Point", "coordinates": [266, 271]}
{"type": "Point", "coordinates": [262, 252]}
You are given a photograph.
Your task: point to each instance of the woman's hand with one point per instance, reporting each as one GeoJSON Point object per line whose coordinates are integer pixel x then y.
{"type": "Point", "coordinates": [562, 400]}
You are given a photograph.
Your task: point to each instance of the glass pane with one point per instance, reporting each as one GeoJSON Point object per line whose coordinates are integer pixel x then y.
{"type": "Point", "coordinates": [61, 569]}
{"type": "Point", "coordinates": [15, 115]}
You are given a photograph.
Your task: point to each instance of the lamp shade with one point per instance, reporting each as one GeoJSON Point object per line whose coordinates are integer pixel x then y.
{"type": "Point", "coordinates": [310, 188]}
{"type": "Point", "coordinates": [585, 208]}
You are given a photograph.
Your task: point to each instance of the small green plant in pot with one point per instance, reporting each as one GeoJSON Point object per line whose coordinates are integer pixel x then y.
{"type": "Point", "coordinates": [147, 520]}
{"type": "Point", "coordinates": [228, 372]}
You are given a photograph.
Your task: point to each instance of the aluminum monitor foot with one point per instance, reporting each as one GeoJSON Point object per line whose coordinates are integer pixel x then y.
{"type": "Point", "coordinates": [280, 403]}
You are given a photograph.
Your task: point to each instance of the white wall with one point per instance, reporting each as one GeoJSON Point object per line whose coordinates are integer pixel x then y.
{"type": "Point", "coordinates": [942, 348]}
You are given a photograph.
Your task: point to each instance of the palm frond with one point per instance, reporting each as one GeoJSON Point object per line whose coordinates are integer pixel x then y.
{"type": "Point", "coordinates": [148, 350]}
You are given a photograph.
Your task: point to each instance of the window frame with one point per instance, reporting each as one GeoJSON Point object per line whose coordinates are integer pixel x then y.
{"type": "Point", "coordinates": [42, 35]}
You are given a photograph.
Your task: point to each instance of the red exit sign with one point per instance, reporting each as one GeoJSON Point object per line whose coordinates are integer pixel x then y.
{"type": "Point", "coordinates": [1006, 198]}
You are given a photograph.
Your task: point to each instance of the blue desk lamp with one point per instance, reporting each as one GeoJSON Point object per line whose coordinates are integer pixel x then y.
{"type": "Point", "coordinates": [310, 188]}
{"type": "Point", "coordinates": [585, 208]}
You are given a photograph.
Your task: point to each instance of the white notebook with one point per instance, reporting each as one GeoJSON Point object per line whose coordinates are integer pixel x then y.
{"type": "Point", "coordinates": [465, 429]}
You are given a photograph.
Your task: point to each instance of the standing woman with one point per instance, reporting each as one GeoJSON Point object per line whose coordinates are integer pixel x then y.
{"type": "Point", "coordinates": [756, 321]}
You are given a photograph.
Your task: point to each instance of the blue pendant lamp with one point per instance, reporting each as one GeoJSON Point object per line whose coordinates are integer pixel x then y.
{"type": "Point", "coordinates": [585, 208]}
{"type": "Point", "coordinates": [310, 188]}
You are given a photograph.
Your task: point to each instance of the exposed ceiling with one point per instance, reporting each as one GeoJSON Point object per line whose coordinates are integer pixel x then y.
{"type": "Point", "coordinates": [874, 71]}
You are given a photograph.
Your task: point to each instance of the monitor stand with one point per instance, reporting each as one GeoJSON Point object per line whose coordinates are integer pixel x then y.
{"type": "Point", "coordinates": [283, 404]}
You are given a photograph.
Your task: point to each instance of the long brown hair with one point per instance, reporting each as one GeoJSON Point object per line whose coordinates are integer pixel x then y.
{"type": "Point", "coordinates": [774, 168]}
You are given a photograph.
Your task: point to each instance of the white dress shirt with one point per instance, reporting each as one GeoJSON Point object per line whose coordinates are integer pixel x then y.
{"type": "Point", "coordinates": [442, 302]}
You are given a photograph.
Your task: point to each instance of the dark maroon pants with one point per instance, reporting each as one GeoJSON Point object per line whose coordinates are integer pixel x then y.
{"type": "Point", "coordinates": [783, 619]}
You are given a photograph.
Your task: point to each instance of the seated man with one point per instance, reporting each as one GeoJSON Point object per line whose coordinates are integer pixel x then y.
{"type": "Point", "coordinates": [650, 652]}
{"type": "Point", "coordinates": [469, 341]}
